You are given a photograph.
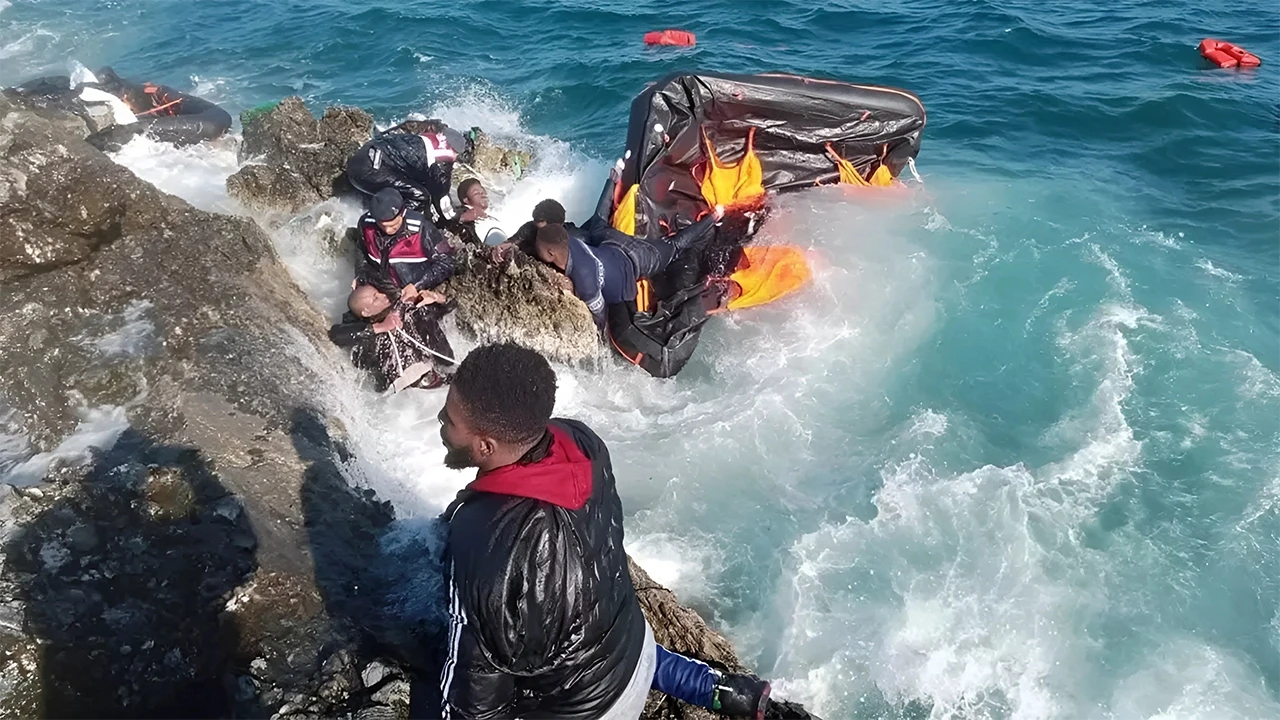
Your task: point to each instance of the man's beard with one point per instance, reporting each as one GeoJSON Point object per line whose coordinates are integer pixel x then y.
{"type": "Point", "coordinates": [459, 458]}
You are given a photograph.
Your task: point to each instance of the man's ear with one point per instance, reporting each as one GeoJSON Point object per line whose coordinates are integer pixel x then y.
{"type": "Point", "coordinates": [485, 447]}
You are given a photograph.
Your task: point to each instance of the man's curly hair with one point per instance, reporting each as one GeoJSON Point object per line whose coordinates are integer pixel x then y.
{"type": "Point", "coordinates": [549, 211]}
{"type": "Point", "coordinates": [508, 391]}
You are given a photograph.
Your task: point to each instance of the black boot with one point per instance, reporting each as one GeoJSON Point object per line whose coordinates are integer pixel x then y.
{"type": "Point", "coordinates": [741, 696]}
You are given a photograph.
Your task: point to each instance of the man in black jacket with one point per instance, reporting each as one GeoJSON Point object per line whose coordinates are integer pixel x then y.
{"type": "Point", "coordinates": [417, 164]}
{"type": "Point", "coordinates": [544, 621]}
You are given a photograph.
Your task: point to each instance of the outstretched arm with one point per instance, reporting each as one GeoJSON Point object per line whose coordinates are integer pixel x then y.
{"type": "Point", "coordinates": [694, 234]}
{"type": "Point", "coordinates": [439, 266]}
{"type": "Point", "coordinates": [349, 332]}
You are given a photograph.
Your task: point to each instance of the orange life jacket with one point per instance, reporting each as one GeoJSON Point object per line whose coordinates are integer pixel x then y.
{"type": "Point", "coordinates": [737, 185]}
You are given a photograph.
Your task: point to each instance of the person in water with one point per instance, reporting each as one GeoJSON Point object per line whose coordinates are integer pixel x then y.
{"type": "Point", "coordinates": [543, 618]}
{"type": "Point", "coordinates": [418, 165]}
{"type": "Point", "coordinates": [400, 344]}
{"type": "Point", "coordinates": [606, 273]}
{"type": "Point", "coordinates": [401, 247]}
{"type": "Point", "coordinates": [474, 201]}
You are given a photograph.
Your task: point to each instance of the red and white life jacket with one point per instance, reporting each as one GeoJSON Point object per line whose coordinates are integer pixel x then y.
{"type": "Point", "coordinates": [407, 246]}
{"type": "Point", "coordinates": [438, 149]}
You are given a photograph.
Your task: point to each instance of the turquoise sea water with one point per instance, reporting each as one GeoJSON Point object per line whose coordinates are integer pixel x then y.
{"type": "Point", "coordinates": [1016, 452]}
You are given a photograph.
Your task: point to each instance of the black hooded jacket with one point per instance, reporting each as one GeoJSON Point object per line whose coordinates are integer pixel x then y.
{"type": "Point", "coordinates": [544, 621]}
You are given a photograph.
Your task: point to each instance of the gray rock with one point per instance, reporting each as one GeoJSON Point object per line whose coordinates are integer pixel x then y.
{"type": "Point", "coordinates": [82, 538]}
{"type": "Point", "coordinates": [374, 673]}
{"type": "Point", "coordinates": [11, 618]}
{"type": "Point", "coordinates": [381, 712]}
{"type": "Point", "coordinates": [490, 159]}
{"type": "Point", "coordinates": [521, 301]}
{"type": "Point", "coordinates": [299, 161]}
{"type": "Point", "coordinates": [393, 693]}
{"type": "Point", "coordinates": [228, 508]}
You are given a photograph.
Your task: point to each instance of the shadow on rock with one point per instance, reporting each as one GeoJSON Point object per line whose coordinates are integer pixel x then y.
{"type": "Point", "coordinates": [125, 576]}
{"type": "Point", "coordinates": [378, 577]}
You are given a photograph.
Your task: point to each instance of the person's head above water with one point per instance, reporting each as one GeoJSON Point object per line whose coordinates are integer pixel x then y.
{"type": "Point", "coordinates": [472, 194]}
{"type": "Point", "coordinates": [367, 302]}
{"type": "Point", "coordinates": [498, 407]}
{"type": "Point", "coordinates": [552, 245]}
{"type": "Point", "coordinates": [548, 212]}
{"type": "Point", "coordinates": [387, 208]}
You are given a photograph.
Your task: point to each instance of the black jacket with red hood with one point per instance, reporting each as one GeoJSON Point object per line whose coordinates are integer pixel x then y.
{"type": "Point", "coordinates": [543, 619]}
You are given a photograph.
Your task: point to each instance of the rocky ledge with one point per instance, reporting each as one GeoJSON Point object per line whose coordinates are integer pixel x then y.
{"type": "Point", "coordinates": [295, 161]}
{"type": "Point", "coordinates": [216, 560]}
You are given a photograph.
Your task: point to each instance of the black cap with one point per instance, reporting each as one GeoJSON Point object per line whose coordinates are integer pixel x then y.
{"type": "Point", "coordinates": [386, 205]}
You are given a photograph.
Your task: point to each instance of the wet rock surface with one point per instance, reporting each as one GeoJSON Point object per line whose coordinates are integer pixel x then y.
{"type": "Point", "coordinates": [220, 558]}
{"type": "Point", "coordinates": [296, 160]}
{"type": "Point", "coordinates": [521, 301]}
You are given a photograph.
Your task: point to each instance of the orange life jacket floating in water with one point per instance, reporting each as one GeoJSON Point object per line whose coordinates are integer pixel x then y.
{"type": "Point", "coordinates": [682, 38]}
{"type": "Point", "coordinates": [767, 273]}
{"type": "Point", "coordinates": [1226, 55]}
{"type": "Point", "coordinates": [735, 186]}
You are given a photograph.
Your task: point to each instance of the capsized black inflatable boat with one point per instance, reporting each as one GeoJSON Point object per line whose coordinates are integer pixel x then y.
{"type": "Point", "coordinates": [694, 140]}
{"type": "Point", "coordinates": [163, 113]}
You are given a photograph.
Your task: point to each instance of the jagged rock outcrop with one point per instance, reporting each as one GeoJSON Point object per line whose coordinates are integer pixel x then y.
{"type": "Point", "coordinates": [123, 302]}
{"type": "Point", "coordinates": [521, 300]}
{"type": "Point", "coordinates": [215, 558]}
{"type": "Point", "coordinates": [491, 160]}
{"type": "Point", "coordinates": [296, 160]}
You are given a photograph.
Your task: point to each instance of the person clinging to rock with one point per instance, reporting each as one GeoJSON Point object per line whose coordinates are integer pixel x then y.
{"type": "Point", "coordinates": [606, 273]}
{"type": "Point", "coordinates": [474, 201]}
{"type": "Point", "coordinates": [543, 618]}
{"type": "Point", "coordinates": [400, 344]}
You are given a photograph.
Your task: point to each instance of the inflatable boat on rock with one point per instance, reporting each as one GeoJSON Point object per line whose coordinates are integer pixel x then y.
{"type": "Point", "coordinates": [698, 140]}
{"type": "Point", "coordinates": [116, 109]}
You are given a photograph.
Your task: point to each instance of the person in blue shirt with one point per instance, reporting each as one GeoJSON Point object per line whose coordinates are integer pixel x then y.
{"type": "Point", "coordinates": [606, 273]}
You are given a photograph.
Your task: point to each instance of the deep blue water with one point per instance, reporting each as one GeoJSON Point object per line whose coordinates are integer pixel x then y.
{"type": "Point", "coordinates": [1017, 453]}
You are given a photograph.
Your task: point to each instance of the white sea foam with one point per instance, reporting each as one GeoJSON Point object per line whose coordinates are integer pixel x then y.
{"type": "Point", "coordinates": [98, 429]}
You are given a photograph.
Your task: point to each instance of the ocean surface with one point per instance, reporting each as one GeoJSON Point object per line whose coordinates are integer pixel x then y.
{"type": "Point", "coordinates": [1016, 451]}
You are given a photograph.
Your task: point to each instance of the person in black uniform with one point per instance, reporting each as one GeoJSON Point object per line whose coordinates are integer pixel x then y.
{"type": "Point", "coordinates": [419, 165]}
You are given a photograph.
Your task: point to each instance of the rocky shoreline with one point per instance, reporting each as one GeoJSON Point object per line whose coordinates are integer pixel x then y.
{"type": "Point", "coordinates": [216, 560]}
